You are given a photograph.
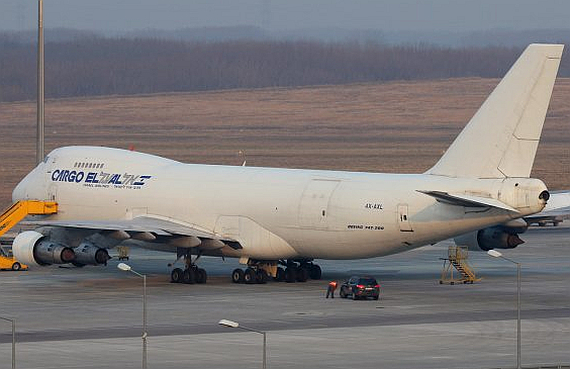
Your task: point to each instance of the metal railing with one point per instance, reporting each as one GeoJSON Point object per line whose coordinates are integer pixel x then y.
{"type": "Point", "coordinates": [538, 366]}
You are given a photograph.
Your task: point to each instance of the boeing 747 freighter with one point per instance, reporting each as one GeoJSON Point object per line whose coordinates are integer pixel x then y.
{"type": "Point", "coordinates": [279, 221]}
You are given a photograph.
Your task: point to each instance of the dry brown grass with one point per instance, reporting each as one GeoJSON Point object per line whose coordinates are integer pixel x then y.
{"type": "Point", "coordinates": [392, 127]}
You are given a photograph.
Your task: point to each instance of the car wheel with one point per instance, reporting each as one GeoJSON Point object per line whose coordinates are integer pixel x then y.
{"type": "Point", "coordinates": [249, 276]}
{"type": "Point", "coordinates": [342, 293]}
{"type": "Point", "coordinates": [237, 276]}
{"type": "Point", "coordinates": [16, 266]}
{"type": "Point", "coordinates": [176, 275]}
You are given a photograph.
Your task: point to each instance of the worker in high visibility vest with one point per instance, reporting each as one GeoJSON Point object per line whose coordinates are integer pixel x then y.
{"type": "Point", "coordinates": [331, 289]}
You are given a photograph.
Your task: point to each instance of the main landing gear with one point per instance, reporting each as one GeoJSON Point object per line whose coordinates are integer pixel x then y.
{"type": "Point", "coordinates": [191, 273]}
{"type": "Point", "coordinates": [289, 271]}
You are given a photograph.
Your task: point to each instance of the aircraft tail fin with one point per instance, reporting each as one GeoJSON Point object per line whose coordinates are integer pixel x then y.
{"type": "Point", "coordinates": [502, 137]}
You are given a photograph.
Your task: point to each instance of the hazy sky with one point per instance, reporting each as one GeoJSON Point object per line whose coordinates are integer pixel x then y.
{"type": "Point", "coordinates": [389, 15]}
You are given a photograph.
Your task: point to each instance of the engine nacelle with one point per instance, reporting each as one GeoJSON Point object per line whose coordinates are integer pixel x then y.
{"type": "Point", "coordinates": [486, 239]}
{"type": "Point", "coordinates": [33, 248]}
{"type": "Point", "coordinates": [89, 254]}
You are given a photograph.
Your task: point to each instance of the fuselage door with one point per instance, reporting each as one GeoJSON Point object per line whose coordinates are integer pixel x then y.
{"type": "Point", "coordinates": [403, 219]}
{"type": "Point", "coordinates": [313, 208]}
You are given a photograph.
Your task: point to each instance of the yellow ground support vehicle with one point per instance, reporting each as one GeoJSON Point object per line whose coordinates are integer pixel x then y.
{"type": "Point", "coordinates": [11, 216]}
{"type": "Point", "coordinates": [7, 260]}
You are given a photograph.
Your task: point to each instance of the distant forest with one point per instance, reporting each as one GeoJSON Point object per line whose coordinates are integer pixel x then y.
{"type": "Point", "coordinates": [93, 65]}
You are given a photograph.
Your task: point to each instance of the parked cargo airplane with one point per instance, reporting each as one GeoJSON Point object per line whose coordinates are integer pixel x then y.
{"type": "Point", "coordinates": [275, 218]}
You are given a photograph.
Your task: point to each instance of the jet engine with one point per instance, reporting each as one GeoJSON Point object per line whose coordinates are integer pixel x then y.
{"type": "Point", "coordinates": [497, 237]}
{"type": "Point", "coordinates": [89, 254]}
{"type": "Point", "coordinates": [33, 248]}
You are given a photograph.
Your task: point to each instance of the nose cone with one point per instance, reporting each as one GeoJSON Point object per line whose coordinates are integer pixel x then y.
{"type": "Point", "coordinates": [31, 187]}
{"type": "Point", "coordinates": [19, 192]}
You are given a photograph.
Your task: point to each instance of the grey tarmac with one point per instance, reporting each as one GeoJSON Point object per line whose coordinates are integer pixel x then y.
{"type": "Point", "coordinates": [91, 317]}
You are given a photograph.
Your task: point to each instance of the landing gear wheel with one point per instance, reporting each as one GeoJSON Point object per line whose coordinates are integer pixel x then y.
{"type": "Point", "coordinates": [189, 276]}
{"type": "Point", "coordinates": [261, 276]}
{"type": "Point", "coordinates": [176, 275]}
{"type": "Point", "coordinates": [249, 276]}
{"type": "Point", "coordinates": [280, 275]}
{"type": "Point", "coordinates": [16, 266]}
{"type": "Point", "coordinates": [201, 276]}
{"type": "Point", "coordinates": [290, 274]}
{"type": "Point", "coordinates": [238, 276]}
{"type": "Point", "coordinates": [302, 274]}
{"type": "Point", "coordinates": [315, 271]}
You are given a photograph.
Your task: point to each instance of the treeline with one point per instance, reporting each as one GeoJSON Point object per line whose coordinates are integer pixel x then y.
{"type": "Point", "coordinates": [103, 66]}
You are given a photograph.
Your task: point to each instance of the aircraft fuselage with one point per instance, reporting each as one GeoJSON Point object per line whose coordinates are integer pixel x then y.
{"type": "Point", "coordinates": [273, 213]}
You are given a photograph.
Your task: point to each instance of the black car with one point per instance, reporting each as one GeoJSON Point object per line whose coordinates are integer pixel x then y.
{"type": "Point", "coordinates": [360, 287]}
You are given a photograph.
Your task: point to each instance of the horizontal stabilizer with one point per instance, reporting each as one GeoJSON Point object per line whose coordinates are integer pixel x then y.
{"type": "Point", "coordinates": [469, 200]}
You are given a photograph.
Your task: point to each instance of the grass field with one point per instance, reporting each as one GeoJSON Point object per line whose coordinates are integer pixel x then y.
{"type": "Point", "coordinates": [392, 127]}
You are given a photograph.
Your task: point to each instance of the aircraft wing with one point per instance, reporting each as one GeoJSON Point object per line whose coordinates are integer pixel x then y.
{"type": "Point", "coordinates": [184, 235]}
{"type": "Point", "coordinates": [557, 207]}
{"type": "Point", "coordinates": [551, 213]}
{"type": "Point", "coordinates": [154, 225]}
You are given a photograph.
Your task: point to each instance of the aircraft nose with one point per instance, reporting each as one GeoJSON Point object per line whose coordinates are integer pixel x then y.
{"type": "Point", "coordinates": [19, 192]}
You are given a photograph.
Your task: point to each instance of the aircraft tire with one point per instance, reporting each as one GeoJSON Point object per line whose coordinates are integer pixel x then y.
{"type": "Point", "coordinates": [176, 275]}
{"type": "Point", "coordinates": [280, 275]}
{"type": "Point", "coordinates": [302, 274]}
{"type": "Point", "coordinates": [315, 272]}
{"type": "Point", "coordinates": [201, 275]}
{"type": "Point", "coordinates": [290, 274]}
{"type": "Point", "coordinates": [249, 276]}
{"type": "Point", "coordinates": [261, 276]}
{"type": "Point", "coordinates": [238, 276]}
{"type": "Point", "coordinates": [189, 276]}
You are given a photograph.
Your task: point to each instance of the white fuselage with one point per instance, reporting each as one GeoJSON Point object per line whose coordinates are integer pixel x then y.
{"type": "Point", "coordinates": [273, 213]}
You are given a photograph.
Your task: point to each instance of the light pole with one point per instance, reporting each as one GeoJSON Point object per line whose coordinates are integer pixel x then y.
{"type": "Point", "coordinates": [127, 268]}
{"type": "Point", "coordinates": [232, 324]}
{"type": "Point", "coordinates": [41, 116]}
{"type": "Point", "coordinates": [13, 339]}
{"type": "Point", "coordinates": [497, 254]}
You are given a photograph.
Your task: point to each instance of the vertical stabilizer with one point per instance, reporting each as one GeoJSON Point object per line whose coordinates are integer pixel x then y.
{"type": "Point", "coordinates": [502, 137]}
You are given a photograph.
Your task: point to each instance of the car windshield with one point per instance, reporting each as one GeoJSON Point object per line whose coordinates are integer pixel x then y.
{"type": "Point", "coordinates": [367, 281]}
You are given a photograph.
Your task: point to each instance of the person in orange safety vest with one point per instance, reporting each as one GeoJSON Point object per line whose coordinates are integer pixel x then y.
{"type": "Point", "coordinates": [331, 289]}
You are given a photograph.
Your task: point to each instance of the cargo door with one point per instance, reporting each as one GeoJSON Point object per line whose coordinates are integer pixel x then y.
{"type": "Point", "coordinates": [313, 208]}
